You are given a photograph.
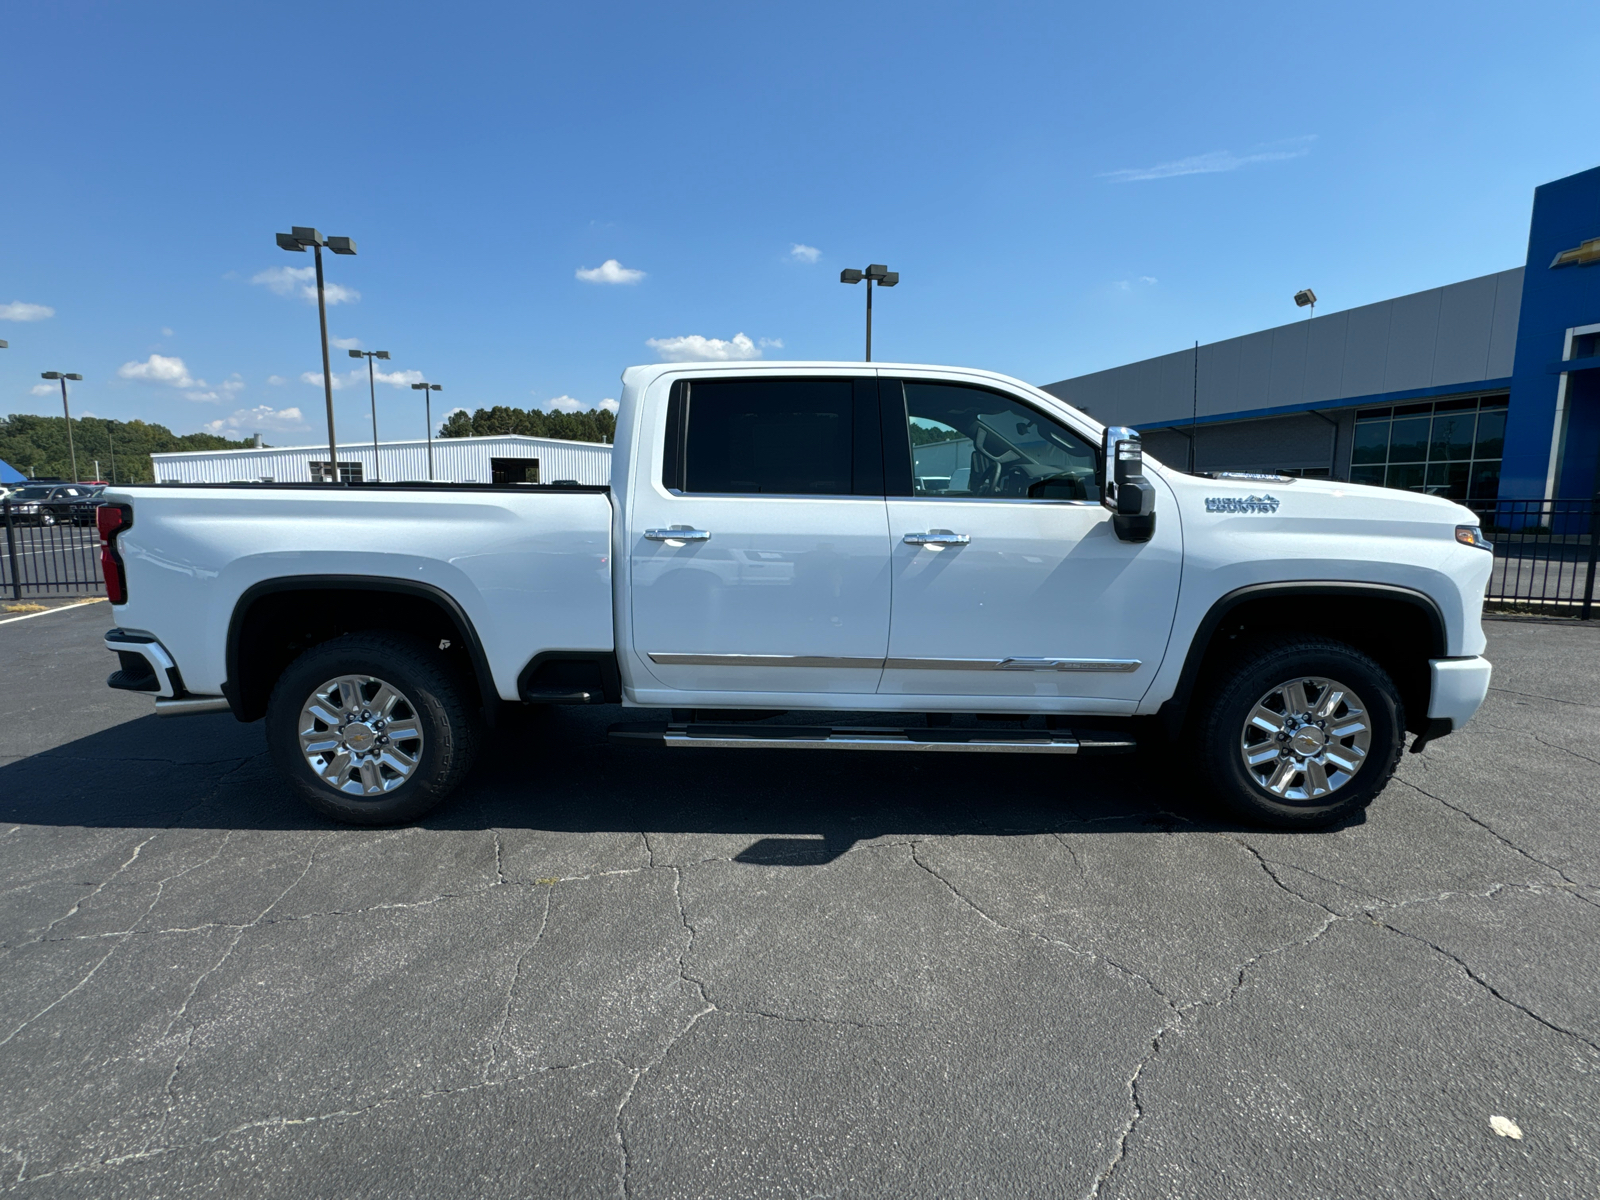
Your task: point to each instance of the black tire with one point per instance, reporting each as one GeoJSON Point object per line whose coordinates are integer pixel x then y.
{"type": "Point", "coordinates": [1220, 731]}
{"type": "Point", "coordinates": [447, 722]}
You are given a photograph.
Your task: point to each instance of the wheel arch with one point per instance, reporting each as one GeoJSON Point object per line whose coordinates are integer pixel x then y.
{"type": "Point", "coordinates": [268, 629]}
{"type": "Point", "coordinates": [1400, 627]}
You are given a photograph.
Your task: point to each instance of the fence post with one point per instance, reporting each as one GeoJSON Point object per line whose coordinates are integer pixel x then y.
{"type": "Point", "coordinates": [1594, 546]}
{"type": "Point", "coordinates": [11, 551]}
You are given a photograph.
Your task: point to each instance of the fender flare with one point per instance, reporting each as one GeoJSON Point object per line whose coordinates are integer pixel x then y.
{"type": "Point", "coordinates": [1173, 710]}
{"type": "Point", "coordinates": [371, 583]}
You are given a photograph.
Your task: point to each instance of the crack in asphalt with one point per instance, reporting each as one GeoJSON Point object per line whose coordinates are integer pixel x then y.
{"type": "Point", "coordinates": [245, 1127]}
{"type": "Point", "coordinates": [1536, 696]}
{"type": "Point", "coordinates": [188, 1041]}
{"type": "Point", "coordinates": [1490, 988]}
{"type": "Point", "coordinates": [511, 991]}
{"type": "Point", "coordinates": [1500, 837]}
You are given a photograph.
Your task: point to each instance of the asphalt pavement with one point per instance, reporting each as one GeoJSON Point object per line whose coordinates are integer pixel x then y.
{"type": "Point", "coordinates": [609, 971]}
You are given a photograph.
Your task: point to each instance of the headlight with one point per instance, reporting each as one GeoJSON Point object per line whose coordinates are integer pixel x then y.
{"type": "Point", "coordinates": [1472, 535]}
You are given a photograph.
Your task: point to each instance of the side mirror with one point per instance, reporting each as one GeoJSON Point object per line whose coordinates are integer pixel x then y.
{"type": "Point", "coordinates": [1124, 489]}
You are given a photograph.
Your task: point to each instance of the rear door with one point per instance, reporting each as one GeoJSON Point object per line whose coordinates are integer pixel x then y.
{"type": "Point", "coordinates": [759, 543]}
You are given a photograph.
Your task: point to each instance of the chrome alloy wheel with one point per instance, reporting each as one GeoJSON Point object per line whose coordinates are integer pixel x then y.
{"type": "Point", "coordinates": [360, 735]}
{"type": "Point", "coordinates": [1306, 739]}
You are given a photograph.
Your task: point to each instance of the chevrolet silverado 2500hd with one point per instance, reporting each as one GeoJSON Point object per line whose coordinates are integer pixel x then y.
{"type": "Point", "coordinates": [906, 541]}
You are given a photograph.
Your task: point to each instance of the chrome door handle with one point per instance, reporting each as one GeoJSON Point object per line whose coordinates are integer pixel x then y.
{"type": "Point", "coordinates": [937, 537]}
{"type": "Point", "coordinates": [677, 535]}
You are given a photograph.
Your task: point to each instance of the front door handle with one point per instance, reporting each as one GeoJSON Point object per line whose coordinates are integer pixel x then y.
{"type": "Point", "coordinates": [678, 535]}
{"type": "Point", "coordinates": [937, 537]}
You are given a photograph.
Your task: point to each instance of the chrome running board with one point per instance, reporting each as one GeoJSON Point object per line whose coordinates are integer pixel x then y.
{"type": "Point", "coordinates": [697, 736]}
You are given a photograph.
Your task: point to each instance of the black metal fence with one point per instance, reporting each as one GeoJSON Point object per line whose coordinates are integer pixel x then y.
{"type": "Point", "coordinates": [1544, 555]}
{"type": "Point", "coordinates": [61, 558]}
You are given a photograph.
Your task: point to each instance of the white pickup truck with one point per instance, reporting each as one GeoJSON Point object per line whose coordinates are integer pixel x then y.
{"type": "Point", "coordinates": [913, 543]}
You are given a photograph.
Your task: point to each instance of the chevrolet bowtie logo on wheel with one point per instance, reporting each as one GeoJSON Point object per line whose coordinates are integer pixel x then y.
{"type": "Point", "coordinates": [1580, 255]}
{"type": "Point", "coordinates": [1241, 504]}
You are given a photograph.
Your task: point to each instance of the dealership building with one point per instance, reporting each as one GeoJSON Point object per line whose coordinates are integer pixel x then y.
{"type": "Point", "coordinates": [1476, 390]}
{"type": "Point", "coordinates": [509, 458]}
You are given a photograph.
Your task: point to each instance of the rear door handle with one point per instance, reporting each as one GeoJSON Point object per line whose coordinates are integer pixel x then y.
{"type": "Point", "coordinates": [677, 535]}
{"type": "Point", "coordinates": [937, 537]}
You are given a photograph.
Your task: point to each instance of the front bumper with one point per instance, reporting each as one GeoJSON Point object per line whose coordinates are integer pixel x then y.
{"type": "Point", "coordinates": [1458, 688]}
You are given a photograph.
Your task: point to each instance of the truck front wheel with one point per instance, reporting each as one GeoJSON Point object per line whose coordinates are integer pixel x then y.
{"type": "Point", "coordinates": [1300, 734]}
{"type": "Point", "coordinates": [370, 730]}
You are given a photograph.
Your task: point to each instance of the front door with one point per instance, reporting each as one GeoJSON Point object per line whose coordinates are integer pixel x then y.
{"type": "Point", "coordinates": [1008, 579]}
{"type": "Point", "coordinates": [760, 552]}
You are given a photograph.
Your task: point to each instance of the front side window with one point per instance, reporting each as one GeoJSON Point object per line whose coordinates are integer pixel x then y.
{"type": "Point", "coordinates": [969, 443]}
{"type": "Point", "coordinates": [790, 437]}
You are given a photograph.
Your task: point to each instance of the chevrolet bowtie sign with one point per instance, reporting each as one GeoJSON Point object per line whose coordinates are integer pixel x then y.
{"type": "Point", "coordinates": [1580, 255]}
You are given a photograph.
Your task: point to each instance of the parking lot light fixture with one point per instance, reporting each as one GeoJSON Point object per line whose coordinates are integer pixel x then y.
{"type": "Point", "coordinates": [1306, 298]}
{"type": "Point", "coordinates": [427, 390]}
{"type": "Point", "coordinates": [63, 376]}
{"type": "Point", "coordinates": [876, 273]}
{"type": "Point", "coordinates": [372, 389]}
{"type": "Point", "coordinates": [298, 239]}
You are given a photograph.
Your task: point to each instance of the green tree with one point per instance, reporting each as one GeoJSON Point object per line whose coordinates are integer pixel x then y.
{"type": "Point", "coordinates": [38, 446]}
{"type": "Point", "coordinates": [596, 425]}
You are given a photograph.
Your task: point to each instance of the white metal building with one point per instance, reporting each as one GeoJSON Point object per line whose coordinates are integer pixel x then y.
{"type": "Point", "coordinates": [511, 458]}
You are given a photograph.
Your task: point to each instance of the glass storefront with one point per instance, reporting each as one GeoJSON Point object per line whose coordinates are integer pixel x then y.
{"type": "Point", "coordinates": [1443, 447]}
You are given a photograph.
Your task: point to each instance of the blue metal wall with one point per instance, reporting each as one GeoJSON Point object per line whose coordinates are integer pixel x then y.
{"type": "Point", "coordinates": [1565, 213]}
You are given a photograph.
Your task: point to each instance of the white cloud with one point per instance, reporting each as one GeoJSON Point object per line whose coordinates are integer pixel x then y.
{"type": "Point", "coordinates": [358, 378]}
{"type": "Point", "coordinates": [609, 405]}
{"type": "Point", "coordinates": [1215, 161]}
{"type": "Point", "coordinates": [610, 271]}
{"type": "Point", "coordinates": [159, 368]}
{"type": "Point", "coordinates": [563, 404]}
{"type": "Point", "coordinates": [771, 343]}
{"type": "Point", "coordinates": [1150, 279]}
{"type": "Point", "coordinates": [301, 281]}
{"type": "Point", "coordinates": [695, 348]}
{"type": "Point", "coordinates": [229, 388]}
{"type": "Point", "coordinates": [165, 332]}
{"type": "Point", "coordinates": [315, 379]}
{"type": "Point", "coordinates": [43, 389]}
{"type": "Point", "coordinates": [254, 419]}
{"type": "Point", "coordinates": [801, 252]}
{"type": "Point", "coordinates": [18, 311]}
{"type": "Point", "coordinates": [346, 343]}
{"type": "Point", "coordinates": [276, 380]}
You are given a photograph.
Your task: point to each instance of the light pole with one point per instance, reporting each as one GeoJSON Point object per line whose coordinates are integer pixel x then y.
{"type": "Point", "coordinates": [427, 390]}
{"type": "Point", "coordinates": [372, 387]}
{"type": "Point", "coordinates": [63, 377]}
{"type": "Point", "coordinates": [1306, 298]}
{"type": "Point", "coordinates": [876, 273]}
{"type": "Point", "coordinates": [297, 239]}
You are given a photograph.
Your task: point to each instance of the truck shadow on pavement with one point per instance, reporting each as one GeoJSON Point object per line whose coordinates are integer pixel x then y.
{"type": "Point", "coordinates": [555, 770]}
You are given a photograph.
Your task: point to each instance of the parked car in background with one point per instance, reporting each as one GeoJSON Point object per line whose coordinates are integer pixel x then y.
{"type": "Point", "coordinates": [55, 503]}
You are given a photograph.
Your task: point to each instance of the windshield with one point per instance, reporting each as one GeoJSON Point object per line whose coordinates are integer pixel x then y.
{"type": "Point", "coordinates": [31, 493]}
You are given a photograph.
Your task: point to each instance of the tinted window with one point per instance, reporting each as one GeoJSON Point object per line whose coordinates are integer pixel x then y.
{"type": "Point", "coordinates": [967, 442]}
{"type": "Point", "coordinates": [780, 436]}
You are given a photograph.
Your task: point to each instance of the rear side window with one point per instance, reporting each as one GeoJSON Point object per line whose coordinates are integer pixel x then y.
{"type": "Point", "coordinates": [794, 437]}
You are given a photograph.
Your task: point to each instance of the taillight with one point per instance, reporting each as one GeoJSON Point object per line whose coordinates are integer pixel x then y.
{"type": "Point", "coordinates": [110, 520]}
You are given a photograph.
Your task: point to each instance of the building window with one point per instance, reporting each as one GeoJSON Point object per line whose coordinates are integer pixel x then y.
{"type": "Point", "coordinates": [349, 472]}
{"type": "Point", "coordinates": [1446, 448]}
{"type": "Point", "coordinates": [513, 470]}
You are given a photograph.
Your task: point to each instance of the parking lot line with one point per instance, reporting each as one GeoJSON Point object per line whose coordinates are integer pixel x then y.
{"type": "Point", "coordinates": [48, 611]}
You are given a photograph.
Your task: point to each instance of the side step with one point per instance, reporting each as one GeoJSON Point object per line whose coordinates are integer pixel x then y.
{"type": "Point", "coordinates": [824, 737]}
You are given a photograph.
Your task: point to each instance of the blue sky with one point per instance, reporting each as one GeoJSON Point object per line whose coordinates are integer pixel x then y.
{"type": "Point", "coordinates": [1062, 187]}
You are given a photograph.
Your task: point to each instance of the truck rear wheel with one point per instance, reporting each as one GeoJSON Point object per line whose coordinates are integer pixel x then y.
{"type": "Point", "coordinates": [1301, 734]}
{"type": "Point", "coordinates": [370, 730]}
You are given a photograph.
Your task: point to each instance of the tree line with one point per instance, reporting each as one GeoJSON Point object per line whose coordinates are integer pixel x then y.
{"type": "Point", "coordinates": [37, 446]}
{"type": "Point", "coordinates": [596, 425]}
